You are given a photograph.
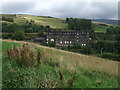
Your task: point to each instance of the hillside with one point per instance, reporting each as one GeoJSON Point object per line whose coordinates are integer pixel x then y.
{"type": "Point", "coordinates": [39, 20]}
{"type": "Point", "coordinates": [81, 60]}
{"type": "Point", "coordinates": [75, 70]}
{"type": "Point", "coordinates": [107, 21]}
{"type": "Point", "coordinates": [55, 23]}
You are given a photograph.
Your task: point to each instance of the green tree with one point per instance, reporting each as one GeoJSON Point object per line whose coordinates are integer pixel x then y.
{"type": "Point", "coordinates": [8, 19]}
{"type": "Point", "coordinates": [18, 35]}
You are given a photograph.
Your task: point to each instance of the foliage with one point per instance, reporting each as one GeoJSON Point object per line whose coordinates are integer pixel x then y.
{"type": "Point", "coordinates": [80, 49]}
{"type": "Point", "coordinates": [79, 24]}
{"type": "Point", "coordinates": [111, 56]}
{"type": "Point", "coordinates": [25, 55]}
{"type": "Point", "coordinates": [8, 19]}
{"type": "Point", "coordinates": [113, 30]}
{"type": "Point", "coordinates": [51, 44]}
{"type": "Point", "coordinates": [50, 75]}
{"type": "Point", "coordinates": [18, 35]}
{"type": "Point", "coordinates": [28, 27]}
{"type": "Point", "coordinates": [107, 46]}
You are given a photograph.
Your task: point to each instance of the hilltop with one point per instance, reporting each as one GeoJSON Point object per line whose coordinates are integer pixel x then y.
{"type": "Point", "coordinates": [39, 20]}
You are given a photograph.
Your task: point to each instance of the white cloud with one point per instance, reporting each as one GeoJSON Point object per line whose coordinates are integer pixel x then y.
{"type": "Point", "coordinates": [62, 9]}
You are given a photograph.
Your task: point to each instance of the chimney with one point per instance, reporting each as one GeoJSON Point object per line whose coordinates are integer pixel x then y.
{"type": "Point", "coordinates": [47, 29]}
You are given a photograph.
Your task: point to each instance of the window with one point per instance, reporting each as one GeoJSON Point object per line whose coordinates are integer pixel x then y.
{"type": "Point", "coordinates": [61, 42]}
{"type": "Point", "coordinates": [84, 44]}
{"type": "Point", "coordinates": [65, 42]}
{"type": "Point", "coordinates": [47, 39]}
{"type": "Point", "coordinates": [52, 40]}
{"type": "Point", "coordinates": [77, 40]}
{"type": "Point", "coordinates": [70, 42]}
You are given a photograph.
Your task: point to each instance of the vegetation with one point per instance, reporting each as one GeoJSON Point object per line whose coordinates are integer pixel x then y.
{"type": "Point", "coordinates": [50, 71]}
{"type": "Point", "coordinates": [79, 24]}
{"type": "Point", "coordinates": [18, 35]}
{"type": "Point", "coordinates": [26, 27]}
{"type": "Point", "coordinates": [8, 19]}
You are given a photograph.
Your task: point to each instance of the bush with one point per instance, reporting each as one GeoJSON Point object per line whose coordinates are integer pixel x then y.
{"type": "Point", "coordinates": [111, 56]}
{"type": "Point", "coordinates": [8, 19]}
{"type": "Point", "coordinates": [86, 50]}
{"type": "Point", "coordinates": [18, 35]}
{"type": "Point", "coordinates": [51, 44]}
{"type": "Point", "coordinates": [26, 55]}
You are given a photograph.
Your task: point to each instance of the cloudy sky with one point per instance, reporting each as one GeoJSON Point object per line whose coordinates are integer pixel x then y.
{"type": "Point", "coordinates": [105, 9]}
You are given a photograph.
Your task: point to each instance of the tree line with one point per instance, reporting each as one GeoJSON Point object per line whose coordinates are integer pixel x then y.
{"type": "Point", "coordinates": [79, 24]}
{"type": "Point", "coordinates": [28, 27]}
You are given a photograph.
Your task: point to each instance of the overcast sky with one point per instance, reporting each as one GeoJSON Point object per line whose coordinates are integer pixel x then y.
{"type": "Point", "coordinates": [105, 9]}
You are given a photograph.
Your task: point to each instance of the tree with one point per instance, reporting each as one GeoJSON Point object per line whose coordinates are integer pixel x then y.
{"type": "Point", "coordinates": [67, 19]}
{"type": "Point", "coordinates": [18, 35]}
{"type": "Point", "coordinates": [8, 19]}
{"type": "Point", "coordinates": [79, 24]}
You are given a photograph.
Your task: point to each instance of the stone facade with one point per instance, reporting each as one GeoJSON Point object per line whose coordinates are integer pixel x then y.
{"type": "Point", "coordinates": [65, 38]}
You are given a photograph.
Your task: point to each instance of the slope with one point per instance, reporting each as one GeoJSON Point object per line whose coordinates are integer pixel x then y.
{"type": "Point", "coordinates": [56, 23]}
{"type": "Point", "coordinates": [72, 60]}
{"type": "Point", "coordinates": [64, 70]}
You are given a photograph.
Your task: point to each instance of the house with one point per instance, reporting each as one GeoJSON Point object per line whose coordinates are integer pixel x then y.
{"type": "Point", "coordinates": [65, 38]}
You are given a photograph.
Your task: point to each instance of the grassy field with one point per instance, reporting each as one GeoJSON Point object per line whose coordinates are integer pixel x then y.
{"type": "Point", "coordinates": [100, 29]}
{"type": "Point", "coordinates": [41, 20]}
{"type": "Point", "coordinates": [53, 22]}
{"type": "Point", "coordinates": [78, 71]}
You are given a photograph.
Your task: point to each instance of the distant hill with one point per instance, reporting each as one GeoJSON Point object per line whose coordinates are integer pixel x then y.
{"type": "Point", "coordinates": [108, 21]}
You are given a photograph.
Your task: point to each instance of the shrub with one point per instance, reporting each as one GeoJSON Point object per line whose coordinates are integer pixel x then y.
{"type": "Point", "coordinates": [8, 19]}
{"type": "Point", "coordinates": [51, 44]}
{"type": "Point", "coordinates": [111, 56]}
{"type": "Point", "coordinates": [18, 35]}
{"type": "Point", "coordinates": [26, 55]}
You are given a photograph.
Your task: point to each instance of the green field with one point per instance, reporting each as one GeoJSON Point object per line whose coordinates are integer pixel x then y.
{"type": "Point", "coordinates": [100, 29]}
{"type": "Point", "coordinates": [55, 23]}
{"type": "Point", "coordinates": [40, 20]}
{"type": "Point", "coordinates": [46, 74]}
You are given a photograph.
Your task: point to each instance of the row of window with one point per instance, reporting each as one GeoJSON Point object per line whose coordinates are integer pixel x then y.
{"type": "Point", "coordinates": [66, 42]}
{"type": "Point", "coordinates": [71, 33]}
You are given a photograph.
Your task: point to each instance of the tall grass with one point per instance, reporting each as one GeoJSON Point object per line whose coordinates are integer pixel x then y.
{"type": "Point", "coordinates": [46, 72]}
{"type": "Point", "coordinates": [26, 55]}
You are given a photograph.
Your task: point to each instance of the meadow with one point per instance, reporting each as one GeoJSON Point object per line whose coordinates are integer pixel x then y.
{"type": "Point", "coordinates": [42, 20]}
{"type": "Point", "coordinates": [58, 68]}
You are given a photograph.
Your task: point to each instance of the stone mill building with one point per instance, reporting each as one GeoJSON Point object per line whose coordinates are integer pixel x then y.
{"type": "Point", "coordinates": [65, 38]}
